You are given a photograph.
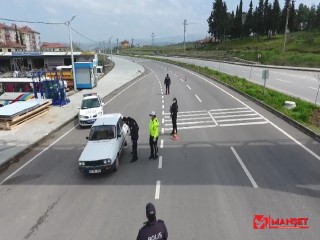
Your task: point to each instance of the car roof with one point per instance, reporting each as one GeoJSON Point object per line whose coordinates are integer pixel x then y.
{"type": "Point", "coordinates": [90, 95]}
{"type": "Point", "coordinates": [107, 119]}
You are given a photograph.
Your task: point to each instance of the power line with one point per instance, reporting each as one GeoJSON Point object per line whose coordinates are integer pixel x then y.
{"type": "Point", "coordinates": [26, 21]}
{"type": "Point", "coordinates": [52, 23]}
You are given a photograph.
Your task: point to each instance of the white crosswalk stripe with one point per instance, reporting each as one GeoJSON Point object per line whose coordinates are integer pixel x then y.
{"type": "Point", "coordinates": [214, 118]}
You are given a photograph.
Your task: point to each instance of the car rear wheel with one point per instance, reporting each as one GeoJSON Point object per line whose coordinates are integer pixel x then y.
{"type": "Point", "coordinates": [116, 164]}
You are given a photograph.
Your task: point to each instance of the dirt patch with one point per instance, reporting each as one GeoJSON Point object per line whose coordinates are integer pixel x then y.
{"type": "Point", "coordinates": [315, 118]}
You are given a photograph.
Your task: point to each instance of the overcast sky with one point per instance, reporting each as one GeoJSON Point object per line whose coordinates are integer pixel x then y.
{"type": "Point", "coordinates": [122, 19]}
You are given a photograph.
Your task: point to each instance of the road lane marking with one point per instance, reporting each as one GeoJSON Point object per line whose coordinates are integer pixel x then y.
{"type": "Point", "coordinates": [189, 87]}
{"type": "Point", "coordinates": [162, 97]}
{"type": "Point", "coordinates": [162, 106]}
{"type": "Point", "coordinates": [215, 122]}
{"type": "Point", "coordinates": [190, 112]}
{"type": "Point", "coordinates": [162, 120]}
{"type": "Point", "coordinates": [242, 124]}
{"type": "Point", "coordinates": [198, 98]}
{"type": "Point", "coordinates": [160, 162]}
{"type": "Point", "coordinates": [239, 119]}
{"type": "Point", "coordinates": [162, 131]}
{"type": "Point", "coordinates": [32, 159]}
{"type": "Point", "coordinates": [220, 113]}
{"type": "Point", "coordinates": [226, 109]}
{"type": "Point", "coordinates": [162, 101]}
{"type": "Point", "coordinates": [253, 182]}
{"type": "Point", "coordinates": [162, 112]}
{"type": "Point", "coordinates": [157, 194]}
{"type": "Point", "coordinates": [181, 80]}
{"type": "Point", "coordinates": [274, 125]}
{"type": "Point", "coordinates": [281, 80]}
{"type": "Point", "coordinates": [161, 143]}
{"type": "Point", "coordinates": [192, 127]}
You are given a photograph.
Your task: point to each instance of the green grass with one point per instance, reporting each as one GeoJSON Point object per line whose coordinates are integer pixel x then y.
{"type": "Point", "coordinates": [302, 113]}
{"type": "Point", "coordinates": [302, 50]}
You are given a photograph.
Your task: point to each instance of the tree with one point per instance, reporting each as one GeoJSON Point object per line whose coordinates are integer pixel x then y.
{"type": "Point", "coordinates": [260, 28]}
{"type": "Point", "coordinates": [312, 17]}
{"type": "Point", "coordinates": [267, 17]}
{"type": "Point", "coordinates": [302, 16]}
{"type": "Point", "coordinates": [276, 13]}
{"type": "Point", "coordinates": [292, 16]}
{"type": "Point", "coordinates": [284, 15]}
{"type": "Point", "coordinates": [238, 21]}
{"type": "Point", "coordinates": [248, 24]}
{"type": "Point", "coordinates": [17, 36]}
{"type": "Point", "coordinates": [318, 16]}
{"type": "Point", "coordinates": [217, 20]}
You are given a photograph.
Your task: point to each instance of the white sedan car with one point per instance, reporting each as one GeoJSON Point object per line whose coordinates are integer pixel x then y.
{"type": "Point", "coordinates": [91, 108]}
{"type": "Point", "coordinates": [106, 141]}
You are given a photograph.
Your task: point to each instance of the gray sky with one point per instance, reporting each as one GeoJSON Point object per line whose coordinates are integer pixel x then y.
{"type": "Point", "coordinates": [122, 19]}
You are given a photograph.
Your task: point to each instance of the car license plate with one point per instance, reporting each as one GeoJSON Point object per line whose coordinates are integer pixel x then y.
{"type": "Point", "coordinates": [95, 171]}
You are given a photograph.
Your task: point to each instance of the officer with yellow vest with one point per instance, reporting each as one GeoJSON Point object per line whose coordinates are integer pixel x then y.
{"type": "Point", "coordinates": [154, 134]}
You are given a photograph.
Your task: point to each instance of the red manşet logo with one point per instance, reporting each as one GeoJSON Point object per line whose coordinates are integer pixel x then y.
{"type": "Point", "coordinates": [261, 221]}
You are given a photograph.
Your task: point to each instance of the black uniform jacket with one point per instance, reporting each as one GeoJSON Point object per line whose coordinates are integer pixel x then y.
{"type": "Point", "coordinates": [153, 231]}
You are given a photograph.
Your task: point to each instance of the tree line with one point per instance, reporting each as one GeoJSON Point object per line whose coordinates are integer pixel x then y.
{"type": "Point", "coordinates": [266, 19]}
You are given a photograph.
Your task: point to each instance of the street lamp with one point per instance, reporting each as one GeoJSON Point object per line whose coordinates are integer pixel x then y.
{"type": "Point", "coordinates": [68, 23]}
{"type": "Point", "coordinates": [110, 44]}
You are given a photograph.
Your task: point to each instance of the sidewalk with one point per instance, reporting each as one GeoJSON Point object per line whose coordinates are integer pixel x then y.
{"type": "Point", "coordinates": [14, 143]}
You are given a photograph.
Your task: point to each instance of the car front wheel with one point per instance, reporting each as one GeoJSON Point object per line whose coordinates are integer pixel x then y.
{"type": "Point", "coordinates": [116, 164]}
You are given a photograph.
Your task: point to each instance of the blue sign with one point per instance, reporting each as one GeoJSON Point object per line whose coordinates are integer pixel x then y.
{"type": "Point", "coordinates": [22, 54]}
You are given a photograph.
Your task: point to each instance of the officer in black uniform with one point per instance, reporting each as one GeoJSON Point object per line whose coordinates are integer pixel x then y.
{"type": "Point", "coordinates": [174, 115]}
{"type": "Point", "coordinates": [167, 82]}
{"type": "Point", "coordinates": [134, 132]}
{"type": "Point", "coordinates": [153, 228]}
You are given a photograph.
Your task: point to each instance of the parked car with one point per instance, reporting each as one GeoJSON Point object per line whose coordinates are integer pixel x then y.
{"type": "Point", "coordinates": [106, 141]}
{"type": "Point", "coordinates": [91, 108]}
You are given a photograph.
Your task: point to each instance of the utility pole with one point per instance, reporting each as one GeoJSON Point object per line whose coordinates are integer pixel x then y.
{"type": "Point", "coordinates": [286, 27]}
{"type": "Point", "coordinates": [184, 34]}
{"type": "Point", "coordinates": [152, 36]}
{"type": "Point", "coordinates": [132, 42]}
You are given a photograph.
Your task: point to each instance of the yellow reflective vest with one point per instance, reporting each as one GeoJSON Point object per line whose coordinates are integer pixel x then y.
{"type": "Point", "coordinates": [154, 127]}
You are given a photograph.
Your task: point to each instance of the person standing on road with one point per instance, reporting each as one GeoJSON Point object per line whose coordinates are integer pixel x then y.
{"type": "Point", "coordinates": [174, 115]}
{"type": "Point", "coordinates": [167, 82]}
{"type": "Point", "coordinates": [154, 134]}
{"type": "Point", "coordinates": [153, 228]}
{"type": "Point", "coordinates": [134, 132]}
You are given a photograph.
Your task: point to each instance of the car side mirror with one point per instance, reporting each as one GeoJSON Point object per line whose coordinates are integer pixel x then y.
{"type": "Point", "coordinates": [118, 135]}
{"type": "Point", "coordinates": [87, 138]}
{"type": "Point", "coordinates": [102, 103]}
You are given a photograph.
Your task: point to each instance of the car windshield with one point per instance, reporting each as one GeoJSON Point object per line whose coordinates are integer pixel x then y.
{"type": "Point", "coordinates": [90, 103]}
{"type": "Point", "coordinates": [102, 132]}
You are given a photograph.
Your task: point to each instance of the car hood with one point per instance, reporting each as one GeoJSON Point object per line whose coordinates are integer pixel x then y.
{"type": "Point", "coordinates": [90, 111]}
{"type": "Point", "coordinates": [98, 150]}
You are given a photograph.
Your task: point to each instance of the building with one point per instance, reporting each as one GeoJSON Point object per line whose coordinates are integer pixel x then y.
{"type": "Point", "coordinates": [124, 44]}
{"type": "Point", "coordinates": [13, 38]}
{"type": "Point", "coordinates": [53, 47]}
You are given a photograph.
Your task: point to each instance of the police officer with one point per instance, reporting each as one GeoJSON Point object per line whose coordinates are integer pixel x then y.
{"type": "Point", "coordinates": [153, 228]}
{"type": "Point", "coordinates": [134, 132]}
{"type": "Point", "coordinates": [174, 115]}
{"type": "Point", "coordinates": [154, 134]}
{"type": "Point", "coordinates": [167, 82]}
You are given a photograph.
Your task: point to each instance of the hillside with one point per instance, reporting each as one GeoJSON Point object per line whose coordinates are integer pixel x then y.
{"type": "Point", "coordinates": [302, 49]}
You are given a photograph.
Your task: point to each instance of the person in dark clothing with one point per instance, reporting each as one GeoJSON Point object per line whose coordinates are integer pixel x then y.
{"type": "Point", "coordinates": [174, 115]}
{"type": "Point", "coordinates": [134, 132]}
{"type": "Point", "coordinates": [153, 228]}
{"type": "Point", "coordinates": [167, 82]}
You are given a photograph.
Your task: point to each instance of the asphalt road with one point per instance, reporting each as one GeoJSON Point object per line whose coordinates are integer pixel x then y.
{"type": "Point", "coordinates": [302, 84]}
{"type": "Point", "coordinates": [233, 160]}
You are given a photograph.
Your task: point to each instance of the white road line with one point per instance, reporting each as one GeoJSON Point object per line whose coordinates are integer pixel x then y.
{"type": "Point", "coordinates": [157, 194]}
{"type": "Point", "coordinates": [239, 119]}
{"type": "Point", "coordinates": [215, 122]}
{"type": "Point", "coordinates": [162, 120]}
{"type": "Point", "coordinates": [242, 124]}
{"type": "Point", "coordinates": [220, 113]}
{"type": "Point", "coordinates": [253, 182]}
{"type": "Point", "coordinates": [186, 119]}
{"type": "Point", "coordinates": [163, 113]}
{"type": "Point", "coordinates": [162, 97]}
{"type": "Point", "coordinates": [313, 88]}
{"type": "Point", "coordinates": [181, 80]}
{"type": "Point", "coordinates": [226, 109]}
{"type": "Point", "coordinates": [190, 112]}
{"type": "Point", "coordinates": [161, 143]}
{"type": "Point", "coordinates": [192, 127]}
{"type": "Point", "coordinates": [162, 101]}
{"type": "Point", "coordinates": [162, 131]}
{"type": "Point", "coordinates": [239, 115]}
{"type": "Point", "coordinates": [189, 87]}
{"type": "Point", "coordinates": [190, 123]}
{"type": "Point", "coordinates": [198, 98]}
{"type": "Point", "coordinates": [162, 106]}
{"type": "Point", "coordinates": [32, 159]}
{"type": "Point", "coordinates": [281, 80]}
{"type": "Point", "coordinates": [160, 162]}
